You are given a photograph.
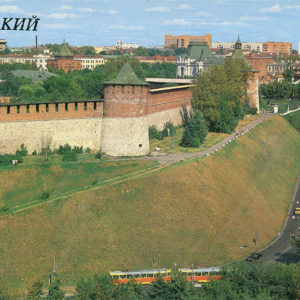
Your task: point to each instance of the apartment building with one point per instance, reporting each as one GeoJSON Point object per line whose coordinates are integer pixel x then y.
{"type": "Point", "coordinates": [40, 60]}
{"type": "Point", "coordinates": [90, 61]}
{"type": "Point", "coordinates": [183, 41]}
{"type": "Point", "coordinates": [279, 48]}
{"type": "Point", "coordinates": [246, 46]}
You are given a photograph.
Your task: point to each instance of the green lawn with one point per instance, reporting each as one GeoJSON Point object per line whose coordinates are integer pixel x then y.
{"type": "Point", "coordinates": [26, 182]}
{"type": "Point", "coordinates": [171, 145]}
{"type": "Point", "coordinates": [294, 119]}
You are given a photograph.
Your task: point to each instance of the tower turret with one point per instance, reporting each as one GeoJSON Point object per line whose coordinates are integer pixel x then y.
{"type": "Point", "coordinates": [125, 126]}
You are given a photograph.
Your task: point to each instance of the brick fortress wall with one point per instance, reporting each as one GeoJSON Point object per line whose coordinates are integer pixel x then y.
{"type": "Point", "coordinates": [38, 125]}
{"type": "Point", "coordinates": [166, 104]}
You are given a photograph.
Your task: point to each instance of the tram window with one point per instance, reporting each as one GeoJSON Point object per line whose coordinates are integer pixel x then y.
{"type": "Point", "coordinates": [189, 274]}
{"type": "Point", "coordinates": [149, 275]}
{"type": "Point", "coordinates": [204, 274]}
{"type": "Point", "coordinates": [115, 277]}
{"type": "Point", "coordinates": [198, 274]}
{"type": "Point", "coordinates": [123, 276]}
{"type": "Point", "coordinates": [144, 275]}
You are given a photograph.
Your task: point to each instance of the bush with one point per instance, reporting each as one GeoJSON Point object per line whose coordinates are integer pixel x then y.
{"type": "Point", "coordinates": [88, 150]}
{"type": "Point", "coordinates": [6, 159]}
{"type": "Point", "coordinates": [34, 153]}
{"type": "Point", "coordinates": [100, 154]}
{"type": "Point", "coordinates": [22, 152]}
{"type": "Point", "coordinates": [64, 148]}
{"type": "Point", "coordinates": [46, 150]}
{"type": "Point", "coordinates": [153, 132]}
{"type": "Point", "coordinates": [169, 129]}
{"type": "Point", "coordinates": [69, 156]}
{"type": "Point", "coordinates": [77, 149]}
{"type": "Point", "coordinates": [195, 131]}
{"type": "Point", "coordinates": [45, 195]}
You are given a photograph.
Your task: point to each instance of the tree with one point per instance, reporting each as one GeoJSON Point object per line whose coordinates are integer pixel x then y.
{"type": "Point", "coordinates": [55, 293]}
{"type": "Point", "coordinates": [35, 292]}
{"type": "Point", "coordinates": [230, 81]}
{"type": "Point", "coordinates": [195, 131]}
{"type": "Point", "coordinates": [288, 75]}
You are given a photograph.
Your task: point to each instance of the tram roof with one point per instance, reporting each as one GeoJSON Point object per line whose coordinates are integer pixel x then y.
{"type": "Point", "coordinates": [139, 272]}
{"type": "Point", "coordinates": [212, 269]}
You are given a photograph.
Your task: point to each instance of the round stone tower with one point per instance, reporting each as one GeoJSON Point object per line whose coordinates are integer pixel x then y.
{"type": "Point", "coordinates": [125, 126]}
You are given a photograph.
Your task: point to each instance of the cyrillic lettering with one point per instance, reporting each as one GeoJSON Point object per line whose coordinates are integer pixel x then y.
{"type": "Point", "coordinates": [5, 23]}
{"type": "Point", "coordinates": [20, 23]}
{"type": "Point", "coordinates": [34, 21]}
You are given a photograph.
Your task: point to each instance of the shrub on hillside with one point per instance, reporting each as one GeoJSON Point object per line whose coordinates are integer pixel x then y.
{"type": "Point", "coordinates": [22, 152]}
{"type": "Point", "coordinates": [195, 131]}
{"type": "Point", "coordinates": [100, 154]}
{"type": "Point", "coordinates": [77, 149]}
{"type": "Point", "coordinates": [69, 156]}
{"type": "Point", "coordinates": [88, 150]}
{"type": "Point", "coordinates": [153, 132]}
{"type": "Point", "coordinates": [169, 129]}
{"type": "Point", "coordinates": [6, 159]}
{"type": "Point", "coordinates": [64, 148]}
{"type": "Point", "coordinates": [45, 195]}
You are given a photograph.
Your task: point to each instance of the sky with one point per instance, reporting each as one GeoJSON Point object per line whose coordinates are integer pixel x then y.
{"type": "Point", "coordinates": [103, 22]}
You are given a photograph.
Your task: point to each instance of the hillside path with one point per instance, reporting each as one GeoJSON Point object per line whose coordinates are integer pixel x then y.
{"type": "Point", "coordinates": [176, 157]}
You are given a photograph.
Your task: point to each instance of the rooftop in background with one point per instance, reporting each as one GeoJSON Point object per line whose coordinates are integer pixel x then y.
{"type": "Point", "coordinates": [33, 75]}
{"type": "Point", "coordinates": [126, 77]}
{"type": "Point", "coordinates": [64, 51]}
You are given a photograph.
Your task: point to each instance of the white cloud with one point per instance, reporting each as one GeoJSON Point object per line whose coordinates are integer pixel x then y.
{"type": "Point", "coordinates": [63, 16]}
{"type": "Point", "coordinates": [184, 6]}
{"type": "Point", "coordinates": [180, 22]}
{"type": "Point", "coordinates": [109, 12]}
{"type": "Point", "coordinates": [65, 7]}
{"type": "Point", "coordinates": [276, 8]}
{"type": "Point", "coordinates": [10, 9]}
{"type": "Point", "coordinates": [126, 27]}
{"type": "Point", "coordinates": [203, 14]}
{"type": "Point", "coordinates": [86, 9]}
{"type": "Point", "coordinates": [254, 19]}
{"type": "Point", "coordinates": [59, 26]}
{"type": "Point", "coordinates": [158, 9]}
{"type": "Point", "coordinates": [8, 1]}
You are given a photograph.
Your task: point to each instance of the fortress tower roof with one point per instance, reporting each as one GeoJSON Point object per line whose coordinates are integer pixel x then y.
{"type": "Point", "coordinates": [126, 76]}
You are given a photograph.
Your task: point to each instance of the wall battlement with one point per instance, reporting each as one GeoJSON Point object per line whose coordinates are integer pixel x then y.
{"type": "Point", "coordinates": [51, 111]}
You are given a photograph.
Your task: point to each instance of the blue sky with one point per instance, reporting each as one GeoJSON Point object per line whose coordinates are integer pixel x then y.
{"type": "Point", "coordinates": [103, 22]}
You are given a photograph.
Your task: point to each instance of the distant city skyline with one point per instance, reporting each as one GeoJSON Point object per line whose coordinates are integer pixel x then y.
{"type": "Point", "coordinates": [145, 22]}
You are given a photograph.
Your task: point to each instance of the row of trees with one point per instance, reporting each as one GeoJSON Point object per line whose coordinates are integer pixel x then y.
{"type": "Point", "coordinates": [242, 281]}
{"type": "Point", "coordinates": [280, 90]}
{"type": "Point", "coordinates": [82, 84]}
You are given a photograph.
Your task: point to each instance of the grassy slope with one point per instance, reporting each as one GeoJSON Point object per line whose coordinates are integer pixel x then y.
{"type": "Point", "coordinates": [294, 119]}
{"type": "Point", "coordinates": [199, 212]}
{"type": "Point", "coordinates": [26, 182]}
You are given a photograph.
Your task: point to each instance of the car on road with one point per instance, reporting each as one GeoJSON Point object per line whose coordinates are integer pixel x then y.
{"type": "Point", "coordinates": [253, 256]}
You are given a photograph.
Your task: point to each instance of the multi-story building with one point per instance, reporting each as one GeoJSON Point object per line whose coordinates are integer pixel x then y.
{"type": "Point", "coordinates": [198, 59]}
{"type": "Point", "coordinates": [121, 45]}
{"type": "Point", "coordinates": [64, 60]}
{"type": "Point", "coordinates": [3, 44]}
{"type": "Point", "coordinates": [259, 62]}
{"type": "Point", "coordinates": [183, 41]}
{"type": "Point", "coordinates": [90, 61]}
{"type": "Point", "coordinates": [157, 59]}
{"type": "Point", "coordinates": [298, 48]}
{"type": "Point", "coordinates": [40, 60]}
{"type": "Point", "coordinates": [279, 48]}
{"type": "Point", "coordinates": [246, 46]}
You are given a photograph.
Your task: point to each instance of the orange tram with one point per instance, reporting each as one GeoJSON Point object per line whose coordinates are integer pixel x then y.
{"type": "Point", "coordinates": [149, 276]}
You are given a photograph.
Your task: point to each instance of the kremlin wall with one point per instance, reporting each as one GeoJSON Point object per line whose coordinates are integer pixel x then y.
{"type": "Point", "coordinates": [118, 124]}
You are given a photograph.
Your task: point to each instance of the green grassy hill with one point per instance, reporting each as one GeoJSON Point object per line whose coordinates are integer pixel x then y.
{"type": "Point", "coordinates": [198, 212]}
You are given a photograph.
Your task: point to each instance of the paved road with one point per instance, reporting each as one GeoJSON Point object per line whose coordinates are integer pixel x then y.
{"type": "Point", "coordinates": [281, 250]}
